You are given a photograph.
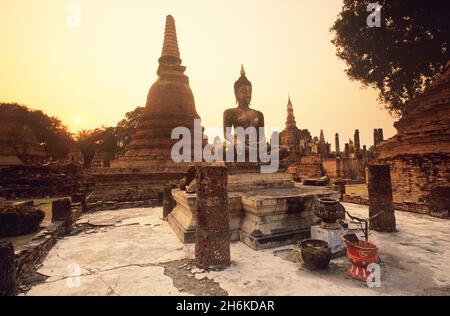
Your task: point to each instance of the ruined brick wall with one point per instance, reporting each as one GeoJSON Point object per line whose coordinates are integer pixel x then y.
{"type": "Point", "coordinates": [310, 167]}
{"type": "Point", "coordinates": [413, 175]}
{"type": "Point", "coordinates": [39, 181]}
{"type": "Point", "coordinates": [118, 186]}
{"type": "Point", "coordinates": [331, 167]}
{"type": "Point", "coordinates": [346, 168]}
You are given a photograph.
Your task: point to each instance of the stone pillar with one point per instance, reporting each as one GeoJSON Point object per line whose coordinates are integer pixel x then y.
{"type": "Point", "coordinates": [341, 185]}
{"type": "Point", "coordinates": [168, 203]}
{"type": "Point", "coordinates": [357, 142]}
{"type": "Point", "coordinates": [62, 211]}
{"type": "Point", "coordinates": [347, 151]}
{"type": "Point", "coordinates": [80, 198]}
{"type": "Point", "coordinates": [339, 167]}
{"type": "Point", "coordinates": [380, 135]}
{"type": "Point", "coordinates": [7, 270]}
{"type": "Point", "coordinates": [375, 137]}
{"type": "Point", "coordinates": [439, 201]}
{"type": "Point", "coordinates": [338, 147]}
{"type": "Point", "coordinates": [380, 198]}
{"type": "Point", "coordinates": [212, 247]}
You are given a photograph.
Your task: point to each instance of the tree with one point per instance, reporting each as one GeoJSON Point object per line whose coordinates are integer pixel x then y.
{"type": "Point", "coordinates": [89, 141]}
{"type": "Point", "coordinates": [126, 128]}
{"type": "Point", "coordinates": [402, 55]}
{"type": "Point", "coordinates": [49, 130]}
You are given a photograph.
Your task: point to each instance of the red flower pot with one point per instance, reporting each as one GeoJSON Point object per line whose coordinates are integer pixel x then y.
{"type": "Point", "coordinates": [360, 254]}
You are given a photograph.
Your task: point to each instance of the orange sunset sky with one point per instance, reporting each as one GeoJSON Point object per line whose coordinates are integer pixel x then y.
{"type": "Point", "coordinates": [93, 74]}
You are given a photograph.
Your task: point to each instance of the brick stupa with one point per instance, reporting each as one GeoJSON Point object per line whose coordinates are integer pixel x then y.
{"type": "Point", "coordinates": [139, 177]}
{"type": "Point", "coordinates": [170, 104]}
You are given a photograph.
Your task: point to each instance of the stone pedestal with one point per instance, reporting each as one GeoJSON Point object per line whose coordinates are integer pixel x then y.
{"type": "Point", "coordinates": [380, 198]}
{"type": "Point", "coordinates": [212, 247]}
{"type": "Point", "coordinates": [332, 236]}
{"type": "Point", "coordinates": [7, 270]}
{"type": "Point", "coordinates": [62, 212]}
{"type": "Point", "coordinates": [266, 210]}
{"type": "Point", "coordinates": [439, 201]}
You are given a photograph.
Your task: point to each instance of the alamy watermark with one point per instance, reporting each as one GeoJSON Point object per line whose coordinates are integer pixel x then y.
{"type": "Point", "coordinates": [74, 278]}
{"type": "Point", "coordinates": [249, 142]}
{"type": "Point", "coordinates": [374, 278]}
{"type": "Point", "coordinates": [73, 19]}
{"type": "Point", "coordinates": [374, 18]}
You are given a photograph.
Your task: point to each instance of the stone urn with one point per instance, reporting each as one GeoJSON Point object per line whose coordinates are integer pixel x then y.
{"type": "Point", "coordinates": [329, 210]}
{"type": "Point", "coordinates": [360, 253]}
{"type": "Point", "coordinates": [316, 254]}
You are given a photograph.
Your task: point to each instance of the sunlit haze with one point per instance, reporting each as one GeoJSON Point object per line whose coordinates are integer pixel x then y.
{"type": "Point", "coordinates": [91, 75]}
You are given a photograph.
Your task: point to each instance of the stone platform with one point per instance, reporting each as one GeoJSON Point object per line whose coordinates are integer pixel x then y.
{"type": "Point", "coordinates": [266, 210]}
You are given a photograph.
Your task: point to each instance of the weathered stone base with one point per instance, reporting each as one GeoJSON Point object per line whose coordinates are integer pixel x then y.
{"type": "Point", "coordinates": [183, 221]}
{"type": "Point", "coordinates": [261, 218]}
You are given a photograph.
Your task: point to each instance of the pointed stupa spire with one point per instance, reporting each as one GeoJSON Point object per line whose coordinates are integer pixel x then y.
{"type": "Point", "coordinates": [242, 70]}
{"type": "Point", "coordinates": [289, 100]}
{"type": "Point", "coordinates": [290, 121]}
{"type": "Point", "coordinates": [170, 46]}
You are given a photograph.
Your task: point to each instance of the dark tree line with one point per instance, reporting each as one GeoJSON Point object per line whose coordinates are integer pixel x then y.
{"type": "Point", "coordinates": [58, 141]}
{"type": "Point", "coordinates": [49, 130]}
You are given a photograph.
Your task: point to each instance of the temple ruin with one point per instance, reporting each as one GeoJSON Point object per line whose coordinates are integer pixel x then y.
{"type": "Point", "coordinates": [147, 166]}
{"type": "Point", "coordinates": [18, 144]}
{"type": "Point", "coordinates": [312, 157]}
{"type": "Point", "coordinates": [420, 151]}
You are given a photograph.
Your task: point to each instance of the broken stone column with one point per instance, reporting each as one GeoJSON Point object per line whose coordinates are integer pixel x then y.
{"type": "Point", "coordinates": [212, 247]}
{"type": "Point", "coordinates": [380, 135]}
{"type": "Point", "coordinates": [341, 185]}
{"type": "Point", "coordinates": [357, 142]}
{"type": "Point", "coordinates": [380, 198]}
{"type": "Point", "coordinates": [439, 201]}
{"type": "Point", "coordinates": [336, 142]}
{"type": "Point", "coordinates": [7, 270]}
{"type": "Point", "coordinates": [62, 211]}
{"type": "Point", "coordinates": [80, 198]}
{"type": "Point", "coordinates": [347, 150]}
{"type": "Point", "coordinates": [168, 203]}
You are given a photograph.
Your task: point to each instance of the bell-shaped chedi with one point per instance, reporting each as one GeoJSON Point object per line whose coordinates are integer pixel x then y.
{"type": "Point", "coordinates": [18, 144]}
{"type": "Point", "coordinates": [170, 104]}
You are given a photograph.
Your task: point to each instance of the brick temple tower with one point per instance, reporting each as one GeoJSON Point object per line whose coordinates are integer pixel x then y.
{"type": "Point", "coordinates": [289, 137]}
{"type": "Point", "coordinates": [170, 104]}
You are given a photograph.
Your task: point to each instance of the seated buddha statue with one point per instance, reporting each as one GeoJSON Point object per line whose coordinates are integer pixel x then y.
{"type": "Point", "coordinates": [242, 115]}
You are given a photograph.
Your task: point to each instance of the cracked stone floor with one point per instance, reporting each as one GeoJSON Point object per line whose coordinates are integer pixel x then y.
{"type": "Point", "coordinates": [135, 252]}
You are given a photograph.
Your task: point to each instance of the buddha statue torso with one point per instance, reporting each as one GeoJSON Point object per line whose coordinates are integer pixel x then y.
{"type": "Point", "coordinates": [242, 116]}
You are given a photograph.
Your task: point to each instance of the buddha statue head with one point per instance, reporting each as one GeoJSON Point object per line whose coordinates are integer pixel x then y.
{"type": "Point", "coordinates": [243, 90]}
